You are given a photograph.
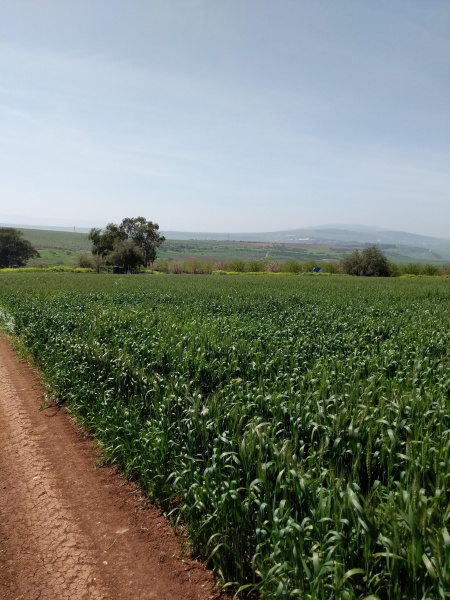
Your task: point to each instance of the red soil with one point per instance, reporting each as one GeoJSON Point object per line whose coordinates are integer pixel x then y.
{"type": "Point", "coordinates": [68, 529]}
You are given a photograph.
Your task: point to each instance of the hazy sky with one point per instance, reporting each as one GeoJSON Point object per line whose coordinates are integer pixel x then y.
{"type": "Point", "coordinates": [226, 115]}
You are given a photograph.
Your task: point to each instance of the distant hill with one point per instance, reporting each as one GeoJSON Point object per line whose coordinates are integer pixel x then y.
{"type": "Point", "coordinates": [399, 246]}
{"type": "Point", "coordinates": [48, 227]}
{"type": "Point", "coordinates": [348, 227]}
{"type": "Point", "coordinates": [50, 239]}
{"type": "Point", "coordinates": [318, 235]}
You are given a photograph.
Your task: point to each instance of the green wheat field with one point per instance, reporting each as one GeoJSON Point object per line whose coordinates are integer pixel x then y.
{"type": "Point", "coordinates": [296, 429]}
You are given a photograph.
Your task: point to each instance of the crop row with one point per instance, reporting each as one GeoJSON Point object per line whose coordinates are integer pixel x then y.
{"type": "Point", "coordinates": [299, 429]}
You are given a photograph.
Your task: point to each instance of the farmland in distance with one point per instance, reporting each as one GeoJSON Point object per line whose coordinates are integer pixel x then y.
{"type": "Point", "coordinates": [297, 428]}
{"type": "Point", "coordinates": [65, 247]}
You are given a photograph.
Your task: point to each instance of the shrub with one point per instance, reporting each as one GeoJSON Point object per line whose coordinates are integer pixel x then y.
{"type": "Point", "coordinates": [161, 265]}
{"type": "Point", "coordinates": [291, 266]}
{"type": "Point", "coordinates": [235, 265]}
{"type": "Point", "coordinates": [198, 267]}
{"type": "Point", "coordinates": [220, 265]}
{"type": "Point", "coordinates": [430, 270]}
{"type": "Point", "coordinates": [330, 267]}
{"type": "Point", "coordinates": [256, 266]}
{"type": "Point", "coordinates": [84, 261]}
{"type": "Point", "coordinates": [273, 267]}
{"type": "Point", "coordinates": [175, 267]}
{"type": "Point", "coordinates": [394, 270]}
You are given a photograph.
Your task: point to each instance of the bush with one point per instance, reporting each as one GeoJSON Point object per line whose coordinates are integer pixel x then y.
{"type": "Point", "coordinates": [394, 270]}
{"type": "Point", "coordinates": [197, 267]}
{"type": "Point", "coordinates": [418, 269]}
{"type": "Point", "coordinates": [256, 266]}
{"type": "Point", "coordinates": [330, 267]}
{"type": "Point", "coordinates": [235, 265]}
{"type": "Point", "coordinates": [84, 261]}
{"type": "Point", "coordinates": [411, 269]}
{"type": "Point", "coordinates": [291, 266]}
{"type": "Point", "coordinates": [161, 265]}
{"type": "Point", "coordinates": [430, 270]}
{"type": "Point", "coordinates": [371, 262]}
{"type": "Point", "coordinates": [175, 267]}
{"type": "Point", "coordinates": [220, 265]}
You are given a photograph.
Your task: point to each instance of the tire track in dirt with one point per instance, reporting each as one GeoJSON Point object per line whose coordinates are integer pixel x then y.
{"type": "Point", "coordinates": [68, 530]}
{"type": "Point", "coordinates": [55, 550]}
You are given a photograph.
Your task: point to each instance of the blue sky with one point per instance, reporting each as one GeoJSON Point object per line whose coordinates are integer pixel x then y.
{"type": "Point", "coordinates": [226, 115]}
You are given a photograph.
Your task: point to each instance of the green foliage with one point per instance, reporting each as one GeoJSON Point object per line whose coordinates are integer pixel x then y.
{"type": "Point", "coordinates": [330, 267]}
{"type": "Point", "coordinates": [197, 267]}
{"type": "Point", "coordinates": [236, 265]}
{"type": "Point", "coordinates": [370, 262]}
{"type": "Point", "coordinates": [298, 426]}
{"type": "Point", "coordinates": [85, 261]}
{"type": "Point", "coordinates": [103, 240]}
{"type": "Point", "coordinates": [256, 266]}
{"type": "Point", "coordinates": [291, 266]}
{"type": "Point", "coordinates": [161, 265]}
{"type": "Point", "coordinates": [418, 269]}
{"type": "Point", "coordinates": [145, 236]}
{"type": "Point", "coordinates": [130, 244]}
{"type": "Point", "coordinates": [15, 251]}
{"type": "Point", "coordinates": [127, 254]}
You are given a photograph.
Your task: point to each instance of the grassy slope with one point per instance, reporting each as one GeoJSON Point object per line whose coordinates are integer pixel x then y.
{"type": "Point", "coordinates": [62, 247]}
{"type": "Point", "coordinates": [57, 240]}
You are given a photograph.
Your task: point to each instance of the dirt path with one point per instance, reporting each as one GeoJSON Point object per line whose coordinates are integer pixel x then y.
{"type": "Point", "coordinates": [69, 530]}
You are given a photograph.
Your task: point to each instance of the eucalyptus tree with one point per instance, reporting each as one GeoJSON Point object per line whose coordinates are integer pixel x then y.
{"type": "Point", "coordinates": [132, 243]}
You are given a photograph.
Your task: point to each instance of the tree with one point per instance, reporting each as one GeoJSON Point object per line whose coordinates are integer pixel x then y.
{"type": "Point", "coordinates": [15, 251]}
{"type": "Point", "coordinates": [132, 243]}
{"type": "Point", "coordinates": [103, 240]}
{"type": "Point", "coordinates": [351, 263]}
{"type": "Point", "coordinates": [126, 254]}
{"type": "Point", "coordinates": [145, 235]}
{"type": "Point", "coordinates": [371, 262]}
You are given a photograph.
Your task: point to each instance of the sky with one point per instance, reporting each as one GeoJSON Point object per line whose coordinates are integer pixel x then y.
{"type": "Point", "coordinates": [226, 115]}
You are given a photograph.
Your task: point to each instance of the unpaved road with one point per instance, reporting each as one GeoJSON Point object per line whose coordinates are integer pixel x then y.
{"type": "Point", "coordinates": [69, 530]}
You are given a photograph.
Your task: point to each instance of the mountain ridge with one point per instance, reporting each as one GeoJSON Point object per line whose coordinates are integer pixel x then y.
{"type": "Point", "coordinates": [57, 243]}
{"type": "Point", "coordinates": [337, 230]}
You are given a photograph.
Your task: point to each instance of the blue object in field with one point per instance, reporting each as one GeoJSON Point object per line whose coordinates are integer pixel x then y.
{"type": "Point", "coordinates": [317, 270]}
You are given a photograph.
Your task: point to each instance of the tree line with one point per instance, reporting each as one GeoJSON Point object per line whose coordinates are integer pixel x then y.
{"type": "Point", "coordinates": [133, 244]}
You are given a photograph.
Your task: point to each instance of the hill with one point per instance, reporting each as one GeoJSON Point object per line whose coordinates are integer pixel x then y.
{"type": "Point", "coordinates": [400, 246]}
{"type": "Point", "coordinates": [61, 246]}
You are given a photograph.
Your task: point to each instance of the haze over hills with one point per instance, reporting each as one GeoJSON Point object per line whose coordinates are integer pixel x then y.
{"type": "Point", "coordinates": [400, 246]}
{"type": "Point", "coordinates": [340, 234]}
{"type": "Point", "coordinates": [47, 227]}
{"type": "Point", "coordinates": [348, 226]}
